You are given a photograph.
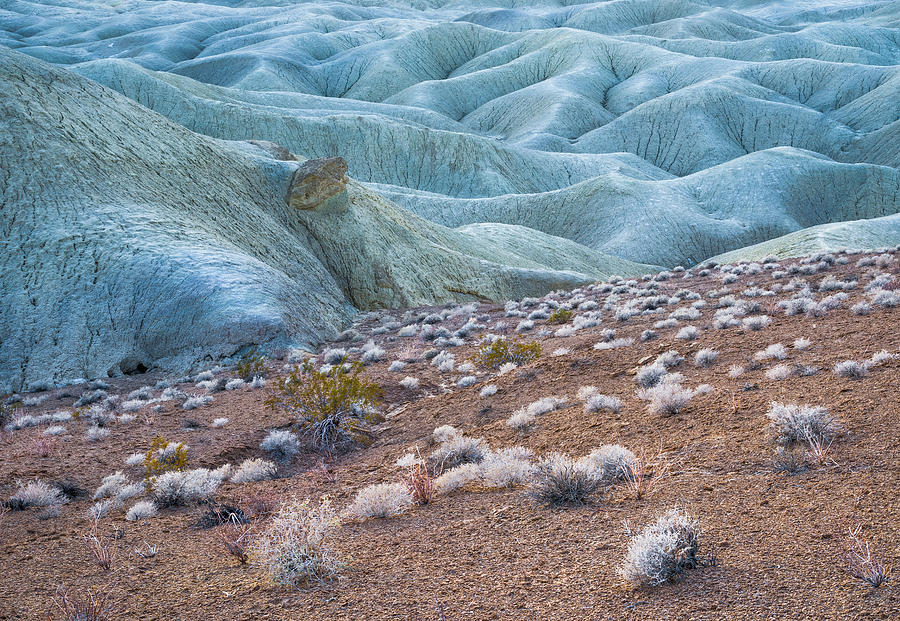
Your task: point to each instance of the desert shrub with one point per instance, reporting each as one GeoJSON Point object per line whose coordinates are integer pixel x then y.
{"type": "Point", "coordinates": [195, 401]}
{"type": "Point", "coordinates": [560, 480]}
{"type": "Point", "coordinates": [521, 420]}
{"type": "Point", "coordinates": [755, 323]}
{"type": "Point", "coordinates": [381, 500]}
{"type": "Point", "coordinates": [110, 485]}
{"type": "Point", "coordinates": [456, 478]}
{"type": "Point", "coordinates": [802, 344]}
{"type": "Point", "coordinates": [141, 511]}
{"type": "Point", "coordinates": [219, 422]}
{"type": "Point", "coordinates": [35, 494]}
{"type": "Point", "coordinates": [666, 398]}
{"type": "Point", "coordinates": [95, 433]}
{"type": "Point", "coordinates": [252, 470]}
{"type": "Point", "coordinates": [559, 316]}
{"type": "Point", "coordinates": [851, 369]}
{"type": "Point", "coordinates": [612, 462]}
{"type": "Point", "coordinates": [488, 391]}
{"type": "Point", "coordinates": [163, 456]}
{"type": "Point", "coordinates": [862, 562]}
{"type": "Point", "coordinates": [281, 445]}
{"type": "Point", "coordinates": [334, 408]}
{"type": "Point", "coordinates": [251, 365]}
{"type": "Point", "coordinates": [650, 375]}
{"type": "Point", "coordinates": [97, 604]}
{"type": "Point", "coordinates": [458, 450]}
{"type": "Point", "coordinates": [792, 423]}
{"type": "Point", "coordinates": [503, 351]}
{"type": "Point", "coordinates": [705, 357]}
{"type": "Point", "coordinates": [780, 372]}
{"type": "Point", "coordinates": [103, 508]}
{"type": "Point", "coordinates": [735, 371]}
{"type": "Point", "coordinates": [371, 353]}
{"type": "Point", "coordinates": [444, 433]}
{"type": "Point", "coordinates": [183, 487]}
{"type": "Point", "coordinates": [663, 549]}
{"type": "Point", "coordinates": [294, 547]}
{"type": "Point", "coordinates": [776, 351]}
{"type": "Point", "coordinates": [688, 333]}
{"type": "Point", "coordinates": [670, 358]}
{"type": "Point", "coordinates": [598, 402]}
{"type": "Point", "coordinates": [466, 381]}
{"type": "Point", "coordinates": [508, 467]}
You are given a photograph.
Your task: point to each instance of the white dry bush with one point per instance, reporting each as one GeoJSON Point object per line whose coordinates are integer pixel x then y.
{"type": "Point", "coordinates": [35, 494]}
{"type": "Point", "coordinates": [444, 433]}
{"type": "Point", "coordinates": [776, 351]}
{"type": "Point", "coordinates": [670, 358]}
{"type": "Point", "coordinates": [614, 344]}
{"type": "Point", "coordinates": [650, 375]}
{"type": "Point", "coordinates": [294, 547]}
{"type": "Point", "coordinates": [235, 384]}
{"type": "Point", "coordinates": [666, 398]}
{"type": "Point", "coordinates": [409, 382]}
{"type": "Point", "coordinates": [195, 401]}
{"type": "Point", "coordinates": [407, 460]}
{"type": "Point", "coordinates": [103, 508]}
{"type": "Point", "coordinates": [381, 500]}
{"type": "Point", "coordinates": [705, 357]}
{"type": "Point", "coordinates": [521, 420]}
{"type": "Point", "coordinates": [142, 510]}
{"type": "Point", "coordinates": [596, 403]}
{"type": "Point", "coordinates": [756, 322]}
{"type": "Point", "coordinates": [508, 467]}
{"type": "Point", "coordinates": [612, 462]}
{"type": "Point", "coordinates": [458, 450]}
{"type": "Point", "coordinates": [792, 423]}
{"type": "Point", "coordinates": [663, 549]}
{"type": "Point", "coordinates": [861, 309]}
{"type": "Point", "coordinates": [282, 445]}
{"type": "Point", "coordinates": [132, 405]}
{"type": "Point", "coordinates": [488, 391]}
{"type": "Point", "coordinates": [55, 430]}
{"type": "Point", "coordinates": [561, 480]}
{"type": "Point", "coordinates": [735, 371]}
{"type": "Point", "coordinates": [371, 353]}
{"type": "Point", "coordinates": [219, 422]}
{"type": "Point", "coordinates": [333, 356]}
{"type": "Point", "coordinates": [779, 372]}
{"type": "Point", "coordinates": [184, 487]}
{"type": "Point", "coordinates": [252, 470]}
{"type": "Point", "coordinates": [802, 344]}
{"type": "Point", "coordinates": [258, 381]}
{"type": "Point", "coordinates": [396, 366]}
{"type": "Point", "coordinates": [877, 358]}
{"type": "Point", "coordinates": [545, 405]}
{"type": "Point", "coordinates": [851, 369]}
{"type": "Point", "coordinates": [456, 478]}
{"type": "Point", "coordinates": [110, 485]}
{"type": "Point", "coordinates": [96, 433]}
{"type": "Point", "coordinates": [135, 459]}
{"type": "Point", "coordinates": [688, 333]}
{"type": "Point", "coordinates": [466, 381]}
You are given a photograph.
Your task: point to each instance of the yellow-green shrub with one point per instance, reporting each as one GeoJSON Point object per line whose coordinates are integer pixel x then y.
{"type": "Point", "coordinates": [560, 315]}
{"type": "Point", "coordinates": [334, 408]}
{"type": "Point", "coordinates": [494, 355]}
{"type": "Point", "coordinates": [159, 460]}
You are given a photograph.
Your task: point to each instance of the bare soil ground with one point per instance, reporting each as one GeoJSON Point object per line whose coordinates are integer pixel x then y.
{"type": "Point", "coordinates": [779, 538]}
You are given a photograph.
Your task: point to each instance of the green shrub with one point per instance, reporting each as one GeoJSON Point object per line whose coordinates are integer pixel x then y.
{"type": "Point", "coordinates": [494, 355]}
{"type": "Point", "coordinates": [163, 456]}
{"type": "Point", "coordinates": [560, 315]}
{"type": "Point", "coordinates": [335, 409]}
{"type": "Point", "coordinates": [250, 365]}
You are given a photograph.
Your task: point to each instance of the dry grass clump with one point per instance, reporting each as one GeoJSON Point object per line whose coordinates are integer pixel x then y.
{"type": "Point", "coordinates": [142, 510]}
{"type": "Point", "coordinates": [705, 357]}
{"type": "Point", "coordinates": [792, 423]}
{"type": "Point", "coordinates": [666, 398]}
{"type": "Point", "coordinates": [281, 445]}
{"type": "Point", "coordinates": [612, 462]}
{"type": "Point", "coordinates": [862, 563]}
{"type": "Point", "coordinates": [776, 351]}
{"type": "Point", "coordinates": [508, 467]}
{"type": "Point", "coordinates": [381, 500]}
{"type": "Point", "coordinates": [419, 482]}
{"type": "Point", "coordinates": [458, 450]}
{"type": "Point", "coordinates": [97, 604]}
{"type": "Point", "coordinates": [505, 351]}
{"type": "Point", "coordinates": [851, 369]}
{"type": "Point", "coordinates": [456, 478]}
{"type": "Point", "coordinates": [561, 480]}
{"type": "Point", "coordinates": [294, 547]}
{"type": "Point", "coordinates": [35, 494]}
{"type": "Point", "coordinates": [444, 433]}
{"type": "Point", "coordinates": [185, 487]}
{"type": "Point", "coordinates": [252, 470]}
{"type": "Point", "coordinates": [334, 408]}
{"type": "Point", "coordinates": [663, 549]}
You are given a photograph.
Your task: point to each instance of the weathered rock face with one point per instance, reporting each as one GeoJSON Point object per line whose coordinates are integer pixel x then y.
{"type": "Point", "coordinates": [320, 184]}
{"type": "Point", "coordinates": [116, 269]}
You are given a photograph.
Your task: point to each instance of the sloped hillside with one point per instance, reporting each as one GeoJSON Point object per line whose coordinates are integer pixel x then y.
{"type": "Point", "coordinates": [133, 242]}
{"type": "Point", "coordinates": [759, 398]}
